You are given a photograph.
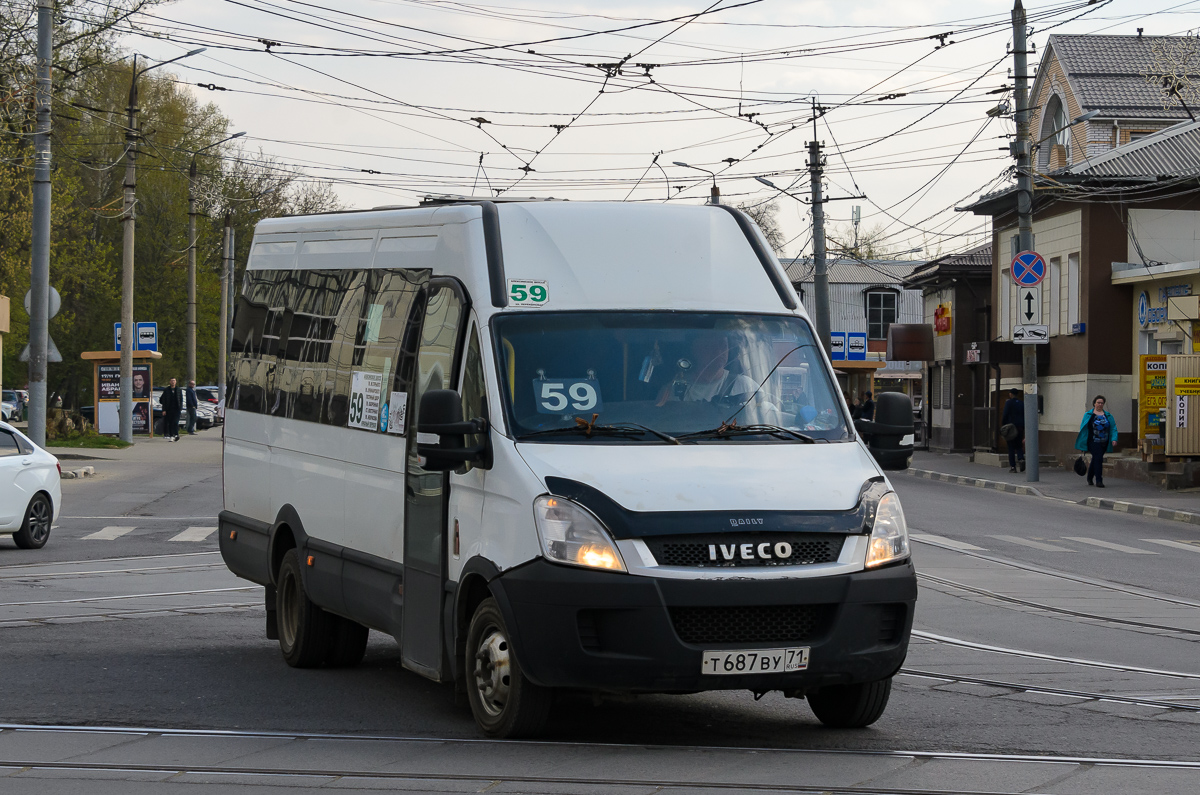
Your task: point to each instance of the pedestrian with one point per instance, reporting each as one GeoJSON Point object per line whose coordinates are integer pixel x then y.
{"type": "Point", "coordinates": [1014, 415]}
{"type": "Point", "coordinates": [1097, 435]}
{"type": "Point", "coordinates": [855, 407]}
{"type": "Point", "coordinates": [171, 404]}
{"type": "Point", "coordinates": [868, 408]}
{"type": "Point", "coordinates": [191, 402]}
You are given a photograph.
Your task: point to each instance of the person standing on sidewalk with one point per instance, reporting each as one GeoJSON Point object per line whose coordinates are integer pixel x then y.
{"type": "Point", "coordinates": [867, 412]}
{"type": "Point", "coordinates": [1097, 435]}
{"type": "Point", "coordinates": [171, 404]}
{"type": "Point", "coordinates": [191, 403]}
{"type": "Point", "coordinates": [1014, 415]}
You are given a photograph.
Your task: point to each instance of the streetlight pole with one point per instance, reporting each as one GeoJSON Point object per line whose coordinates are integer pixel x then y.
{"type": "Point", "coordinates": [39, 275]}
{"type": "Point", "coordinates": [129, 214]}
{"type": "Point", "coordinates": [714, 196]}
{"type": "Point", "coordinates": [1025, 229]}
{"type": "Point", "coordinates": [191, 275]}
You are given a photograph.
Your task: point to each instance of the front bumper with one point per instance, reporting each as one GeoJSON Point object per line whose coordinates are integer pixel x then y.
{"type": "Point", "coordinates": [598, 630]}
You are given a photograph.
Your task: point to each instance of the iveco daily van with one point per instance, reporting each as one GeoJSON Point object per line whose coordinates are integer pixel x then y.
{"type": "Point", "coordinates": [558, 446]}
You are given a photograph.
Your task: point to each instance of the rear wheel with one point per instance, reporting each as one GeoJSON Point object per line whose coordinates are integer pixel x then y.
{"type": "Point", "coordinates": [347, 642]}
{"type": "Point", "coordinates": [504, 702]}
{"type": "Point", "coordinates": [305, 630]}
{"type": "Point", "coordinates": [851, 706]}
{"type": "Point", "coordinates": [35, 529]}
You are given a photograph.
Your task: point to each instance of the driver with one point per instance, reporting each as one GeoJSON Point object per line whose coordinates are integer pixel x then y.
{"type": "Point", "coordinates": [708, 375]}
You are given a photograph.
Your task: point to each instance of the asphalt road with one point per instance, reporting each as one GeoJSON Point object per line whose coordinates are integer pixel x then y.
{"type": "Point", "coordinates": [145, 628]}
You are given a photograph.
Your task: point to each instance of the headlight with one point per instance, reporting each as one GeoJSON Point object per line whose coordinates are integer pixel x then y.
{"type": "Point", "coordinates": [889, 533]}
{"type": "Point", "coordinates": [570, 534]}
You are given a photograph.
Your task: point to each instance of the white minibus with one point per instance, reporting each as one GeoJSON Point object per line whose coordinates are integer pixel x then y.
{"type": "Point", "coordinates": [560, 446]}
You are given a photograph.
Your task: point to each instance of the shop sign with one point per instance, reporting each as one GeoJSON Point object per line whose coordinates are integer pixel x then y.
{"type": "Point", "coordinates": [1152, 395]}
{"type": "Point", "coordinates": [1150, 315]}
{"type": "Point", "coordinates": [942, 322]}
{"type": "Point", "coordinates": [1173, 291]}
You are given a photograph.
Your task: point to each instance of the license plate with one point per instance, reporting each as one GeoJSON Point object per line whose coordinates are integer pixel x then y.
{"type": "Point", "coordinates": [756, 661]}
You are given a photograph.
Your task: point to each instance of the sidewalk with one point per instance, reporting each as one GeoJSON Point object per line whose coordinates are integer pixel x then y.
{"type": "Point", "coordinates": [1130, 496]}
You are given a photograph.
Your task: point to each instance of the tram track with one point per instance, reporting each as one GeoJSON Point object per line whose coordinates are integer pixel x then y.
{"type": "Point", "coordinates": [1142, 702]}
{"type": "Point", "coordinates": [93, 561]}
{"type": "Point", "coordinates": [1051, 608]}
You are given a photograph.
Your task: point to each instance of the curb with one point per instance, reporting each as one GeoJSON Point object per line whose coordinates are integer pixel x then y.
{"type": "Point", "coordinates": [979, 483]}
{"type": "Point", "coordinates": [72, 474]}
{"type": "Point", "coordinates": [1136, 508]}
{"type": "Point", "coordinates": [1190, 517]}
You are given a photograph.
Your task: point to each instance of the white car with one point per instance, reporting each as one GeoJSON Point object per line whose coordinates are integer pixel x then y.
{"type": "Point", "coordinates": [9, 411]}
{"type": "Point", "coordinates": [30, 489]}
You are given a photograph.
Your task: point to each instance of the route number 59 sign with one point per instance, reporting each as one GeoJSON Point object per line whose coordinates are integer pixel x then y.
{"type": "Point", "coordinates": [527, 293]}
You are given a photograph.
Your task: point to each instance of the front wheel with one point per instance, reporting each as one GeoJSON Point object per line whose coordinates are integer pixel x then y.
{"type": "Point", "coordinates": [504, 702]}
{"type": "Point", "coordinates": [851, 706]}
{"type": "Point", "coordinates": [35, 529]}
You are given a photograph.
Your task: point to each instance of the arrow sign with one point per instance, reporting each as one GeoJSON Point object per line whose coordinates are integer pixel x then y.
{"type": "Point", "coordinates": [1029, 305]}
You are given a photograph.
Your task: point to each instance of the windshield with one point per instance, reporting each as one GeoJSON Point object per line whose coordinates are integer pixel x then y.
{"type": "Point", "coordinates": [677, 373]}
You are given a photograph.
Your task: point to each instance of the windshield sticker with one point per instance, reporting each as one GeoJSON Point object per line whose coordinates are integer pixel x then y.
{"type": "Point", "coordinates": [523, 292]}
{"type": "Point", "coordinates": [566, 395]}
{"type": "Point", "coordinates": [397, 412]}
{"type": "Point", "coordinates": [365, 391]}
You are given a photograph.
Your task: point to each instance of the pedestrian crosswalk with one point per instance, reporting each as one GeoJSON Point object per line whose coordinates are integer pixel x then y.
{"type": "Point", "coordinates": [1064, 544]}
{"type": "Point", "coordinates": [191, 534]}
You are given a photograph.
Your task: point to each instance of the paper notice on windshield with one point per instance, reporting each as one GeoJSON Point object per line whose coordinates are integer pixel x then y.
{"type": "Point", "coordinates": [365, 391]}
{"type": "Point", "coordinates": [397, 412]}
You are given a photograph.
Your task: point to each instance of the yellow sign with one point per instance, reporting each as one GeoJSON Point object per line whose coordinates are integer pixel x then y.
{"type": "Point", "coordinates": [1152, 395]}
{"type": "Point", "coordinates": [1187, 390]}
{"type": "Point", "coordinates": [1182, 382]}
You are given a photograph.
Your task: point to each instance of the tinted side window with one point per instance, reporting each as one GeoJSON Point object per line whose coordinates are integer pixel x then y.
{"type": "Point", "coordinates": [305, 371]}
{"type": "Point", "coordinates": [8, 444]}
{"type": "Point", "coordinates": [252, 352]}
{"type": "Point", "coordinates": [474, 389]}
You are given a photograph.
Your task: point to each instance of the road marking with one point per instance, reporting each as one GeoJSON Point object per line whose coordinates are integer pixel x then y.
{"type": "Point", "coordinates": [1025, 542]}
{"type": "Point", "coordinates": [195, 535]}
{"type": "Point", "coordinates": [1173, 544]}
{"type": "Point", "coordinates": [1110, 545]}
{"type": "Point", "coordinates": [947, 542]}
{"type": "Point", "coordinates": [109, 533]}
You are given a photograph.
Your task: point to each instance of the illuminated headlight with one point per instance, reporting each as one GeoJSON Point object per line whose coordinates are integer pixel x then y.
{"type": "Point", "coordinates": [571, 534]}
{"type": "Point", "coordinates": [889, 534]}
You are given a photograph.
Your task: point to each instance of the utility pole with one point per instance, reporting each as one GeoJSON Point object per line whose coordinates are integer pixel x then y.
{"type": "Point", "coordinates": [820, 274]}
{"type": "Point", "coordinates": [39, 274]}
{"type": "Point", "coordinates": [191, 274]}
{"type": "Point", "coordinates": [1022, 151]}
{"type": "Point", "coordinates": [226, 289]}
{"type": "Point", "coordinates": [131, 136]}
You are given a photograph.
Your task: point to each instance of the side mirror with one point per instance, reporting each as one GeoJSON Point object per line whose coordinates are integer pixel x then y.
{"type": "Point", "coordinates": [890, 436]}
{"type": "Point", "coordinates": [440, 413]}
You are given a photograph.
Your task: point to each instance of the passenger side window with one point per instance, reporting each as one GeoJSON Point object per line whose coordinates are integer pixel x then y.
{"type": "Point", "coordinates": [8, 444]}
{"type": "Point", "coordinates": [474, 388]}
{"type": "Point", "coordinates": [250, 361]}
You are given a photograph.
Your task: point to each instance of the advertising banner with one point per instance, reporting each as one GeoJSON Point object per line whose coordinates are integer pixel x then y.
{"type": "Point", "coordinates": [1152, 396]}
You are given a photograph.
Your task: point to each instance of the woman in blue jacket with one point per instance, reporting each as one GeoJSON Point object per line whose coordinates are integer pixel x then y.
{"type": "Point", "coordinates": [1097, 435]}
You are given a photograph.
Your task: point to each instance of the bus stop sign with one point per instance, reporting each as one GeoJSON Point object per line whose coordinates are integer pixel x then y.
{"type": "Point", "coordinates": [1028, 269]}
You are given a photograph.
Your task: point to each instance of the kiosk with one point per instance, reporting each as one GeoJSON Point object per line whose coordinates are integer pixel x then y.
{"type": "Point", "coordinates": [106, 378]}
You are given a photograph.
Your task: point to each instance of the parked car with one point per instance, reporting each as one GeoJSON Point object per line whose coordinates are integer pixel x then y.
{"type": "Point", "coordinates": [210, 394]}
{"type": "Point", "coordinates": [30, 489]}
{"type": "Point", "coordinates": [206, 414]}
{"type": "Point", "coordinates": [9, 411]}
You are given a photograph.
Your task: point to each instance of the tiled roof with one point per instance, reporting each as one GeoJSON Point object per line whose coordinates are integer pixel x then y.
{"type": "Point", "coordinates": [1108, 74]}
{"type": "Point", "coordinates": [1167, 154]}
{"type": "Point", "coordinates": [976, 259]}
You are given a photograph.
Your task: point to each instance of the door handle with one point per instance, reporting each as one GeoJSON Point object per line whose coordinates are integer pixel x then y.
{"type": "Point", "coordinates": [27, 462]}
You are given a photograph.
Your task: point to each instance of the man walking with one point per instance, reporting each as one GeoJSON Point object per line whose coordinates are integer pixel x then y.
{"type": "Point", "coordinates": [191, 402]}
{"type": "Point", "coordinates": [171, 406]}
{"type": "Point", "coordinates": [1014, 414]}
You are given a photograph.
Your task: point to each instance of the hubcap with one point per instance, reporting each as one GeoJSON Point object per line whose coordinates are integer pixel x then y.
{"type": "Point", "coordinates": [39, 521]}
{"type": "Point", "coordinates": [493, 671]}
{"type": "Point", "coordinates": [289, 610]}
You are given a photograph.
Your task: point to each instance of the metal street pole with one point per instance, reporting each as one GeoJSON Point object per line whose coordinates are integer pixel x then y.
{"type": "Point", "coordinates": [126, 406]}
{"type": "Point", "coordinates": [191, 273]}
{"type": "Point", "coordinates": [1025, 229]}
{"type": "Point", "coordinates": [820, 273]}
{"type": "Point", "coordinates": [39, 275]}
{"type": "Point", "coordinates": [226, 288]}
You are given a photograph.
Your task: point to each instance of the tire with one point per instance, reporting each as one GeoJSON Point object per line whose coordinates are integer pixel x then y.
{"type": "Point", "coordinates": [851, 706]}
{"type": "Point", "coordinates": [35, 529]}
{"type": "Point", "coordinates": [505, 704]}
{"type": "Point", "coordinates": [305, 630]}
{"type": "Point", "coordinates": [348, 643]}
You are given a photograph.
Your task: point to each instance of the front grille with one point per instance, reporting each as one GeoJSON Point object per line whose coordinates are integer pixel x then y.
{"type": "Point", "coordinates": [752, 625]}
{"type": "Point", "coordinates": [698, 551]}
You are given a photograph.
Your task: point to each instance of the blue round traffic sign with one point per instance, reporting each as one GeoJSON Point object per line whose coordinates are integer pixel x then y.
{"type": "Point", "coordinates": [1028, 269]}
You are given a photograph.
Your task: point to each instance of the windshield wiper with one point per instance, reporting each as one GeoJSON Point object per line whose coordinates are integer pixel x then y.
{"type": "Point", "coordinates": [629, 430]}
{"type": "Point", "coordinates": [726, 431]}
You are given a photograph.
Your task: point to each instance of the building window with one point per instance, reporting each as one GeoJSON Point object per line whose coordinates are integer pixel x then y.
{"type": "Point", "coordinates": [1004, 288]}
{"type": "Point", "coordinates": [881, 313]}
{"type": "Point", "coordinates": [935, 387]}
{"type": "Point", "coordinates": [1072, 289]}
{"type": "Point", "coordinates": [1137, 135]}
{"type": "Point", "coordinates": [1052, 295]}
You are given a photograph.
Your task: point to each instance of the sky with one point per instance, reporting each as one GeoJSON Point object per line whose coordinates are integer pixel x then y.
{"type": "Point", "coordinates": [393, 100]}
